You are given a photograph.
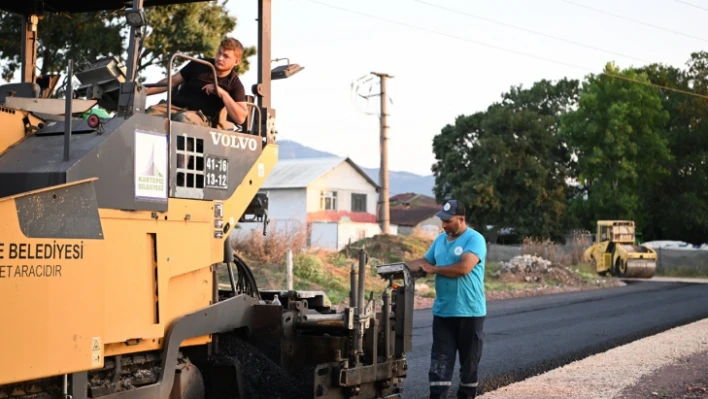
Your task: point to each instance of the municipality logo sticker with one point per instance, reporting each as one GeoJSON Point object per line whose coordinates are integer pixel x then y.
{"type": "Point", "coordinates": [458, 251]}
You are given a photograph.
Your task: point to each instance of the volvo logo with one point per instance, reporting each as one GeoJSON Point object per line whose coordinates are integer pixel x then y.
{"type": "Point", "coordinates": [238, 142]}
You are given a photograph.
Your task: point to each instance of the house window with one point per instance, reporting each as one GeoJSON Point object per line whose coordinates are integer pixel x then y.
{"type": "Point", "coordinates": [362, 234]}
{"type": "Point", "coordinates": [328, 200]}
{"type": "Point", "coordinates": [358, 202]}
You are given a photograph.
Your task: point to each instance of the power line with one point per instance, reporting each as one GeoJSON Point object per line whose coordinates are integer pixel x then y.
{"type": "Point", "coordinates": [509, 51]}
{"type": "Point", "coordinates": [635, 21]}
{"type": "Point", "coordinates": [690, 93]}
{"type": "Point", "coordinates": [530, 31]}
{"type": "Point", "coordinates": [448, 35]}
{"type": "Point", "coordinates": [692, 5]}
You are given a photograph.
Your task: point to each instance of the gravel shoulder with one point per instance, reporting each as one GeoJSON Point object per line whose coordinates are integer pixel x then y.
{"type": "Point", "coordinates": [671, 364]}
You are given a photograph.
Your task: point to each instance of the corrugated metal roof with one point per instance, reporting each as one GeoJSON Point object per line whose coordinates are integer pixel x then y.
{"type": "Point", "coordinates": [300, 172]}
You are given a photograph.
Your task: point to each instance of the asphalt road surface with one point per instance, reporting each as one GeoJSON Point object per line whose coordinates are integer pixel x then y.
{"type": "Point", "coordinates": [527, 336]}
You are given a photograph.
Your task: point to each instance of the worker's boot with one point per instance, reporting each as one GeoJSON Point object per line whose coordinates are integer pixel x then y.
{"type": "Point", "coordinates": [466, 392]}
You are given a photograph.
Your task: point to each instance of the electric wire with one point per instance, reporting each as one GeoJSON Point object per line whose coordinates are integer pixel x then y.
{"type": "Point", "coordinates": [448, 35]}
{"type": "Point", "coordinates": [529, 30]}
{"type": "Point", "coordinates": [510, 51]}
{"type": "Point", "coordinates": [635, 21]}
{"type": "Point", "coordinates": [692, 5]}
{"type": "Point", "coordinates": [658, 86]}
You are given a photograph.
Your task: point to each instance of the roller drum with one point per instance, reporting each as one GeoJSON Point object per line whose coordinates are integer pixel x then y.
{"type": "Point", "coordinates": [640, 268]}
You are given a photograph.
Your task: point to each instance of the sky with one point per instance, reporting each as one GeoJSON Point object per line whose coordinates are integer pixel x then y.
{"type": "Point", "coordinates": [444, 62]}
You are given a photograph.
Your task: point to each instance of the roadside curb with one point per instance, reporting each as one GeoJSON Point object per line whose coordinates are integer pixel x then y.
{"type": "Point", "coordinates": [607, 374]}
{"type": "Point", "coordinates": [692, 280]}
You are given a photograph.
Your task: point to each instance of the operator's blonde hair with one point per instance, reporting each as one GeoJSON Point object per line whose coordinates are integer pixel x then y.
{"type": "Point", "coordinates": [230, 43]}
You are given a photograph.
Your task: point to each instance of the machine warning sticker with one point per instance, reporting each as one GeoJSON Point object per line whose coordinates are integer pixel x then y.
{"type": "Point", "coordinates": [96, 352]}
{"type": "Point", "coordinates": [216, 173]}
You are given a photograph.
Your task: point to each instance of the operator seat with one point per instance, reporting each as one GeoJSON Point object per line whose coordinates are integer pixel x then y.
{"type": "Point", "coordinates": [248, 126]}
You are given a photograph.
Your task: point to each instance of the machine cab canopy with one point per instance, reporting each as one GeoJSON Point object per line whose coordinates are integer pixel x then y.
{"type": "Point", "coordinates": [39, 7]}
{"type": "Point", "coordinates": [622, 231]}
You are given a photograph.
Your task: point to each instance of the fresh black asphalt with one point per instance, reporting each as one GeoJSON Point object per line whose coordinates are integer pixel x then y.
{"type": "Point", "coordinates": [527, 336]}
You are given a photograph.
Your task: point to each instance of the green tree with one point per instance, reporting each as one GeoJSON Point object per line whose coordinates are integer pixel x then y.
{"type": "Point", "coordinates": [81, 37]}
{"type": "Point", "coordinates": [616, 135]}
{"type": "Point", "coordinates": [508, 163]}
{"type": "Point", "coordinates": [194, 29]}
{"type": "Point", "coordinates": [678, 203]}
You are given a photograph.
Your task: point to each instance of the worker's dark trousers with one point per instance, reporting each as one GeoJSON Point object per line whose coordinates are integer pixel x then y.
{"type": "Point", "coordinates": [450, 336]}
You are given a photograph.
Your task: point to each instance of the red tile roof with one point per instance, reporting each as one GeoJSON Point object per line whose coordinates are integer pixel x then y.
{"type": "Point", "coordinates": [409, 209]}
{"type": "Point", "coordinates": [414, 200]}
{"type": "Point", "coordinates": [411, 216]}
{"type": "Point", "coordinates": [336, 216]}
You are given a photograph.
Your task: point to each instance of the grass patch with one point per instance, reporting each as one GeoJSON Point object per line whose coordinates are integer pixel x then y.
{"type": "Point", "coordinates": [329, 271]}
{"type": "Point", "coordinates": [689, 272]}
{"type": "Point", "coordinates": [491, 283]}
{"type": "Point", "coordinates": [551, 282]}
{"type": "Point", "coordinates": [339, 260]}
{"type": "Point", "coordinates": [312, 270]}
{"type": "Point", "coordinates": [496, 285]}
{"type": "Point", "coordinates": [326, 271]}
{"type": "Point", "coordinates": [586, 271]}
{"type": "Point", "coordinates": [390, 248]}
{"type": "Point", "coordinates": [490, 268]}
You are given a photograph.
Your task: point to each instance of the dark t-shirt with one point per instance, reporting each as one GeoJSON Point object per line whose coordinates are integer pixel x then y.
{"type": "Point", "coordinates": [193, 97]}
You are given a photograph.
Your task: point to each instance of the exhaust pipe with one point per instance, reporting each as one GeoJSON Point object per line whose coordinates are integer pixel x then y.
{"type": "Point", "coordinates": [362, 275]}
{"type": "Point", "coordinates": [360, 311]}
{"type": "Point", "coordinates": [387, 320]}
{"type": "Point", "coordinates": [67, 112]}
{"type": "Point", "coordinates": [352, 289]}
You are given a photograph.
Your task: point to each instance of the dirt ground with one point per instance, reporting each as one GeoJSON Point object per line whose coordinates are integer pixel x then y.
{"type": "Point", "coordinates": [685, 379]}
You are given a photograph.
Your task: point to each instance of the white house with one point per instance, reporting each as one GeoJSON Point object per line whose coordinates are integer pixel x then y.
{"type": "Point", "coordinates": [331, 197]}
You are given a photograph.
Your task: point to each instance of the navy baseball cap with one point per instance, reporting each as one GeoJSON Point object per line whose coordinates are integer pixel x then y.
{"type": "Point", "coordinates": [450, 209]}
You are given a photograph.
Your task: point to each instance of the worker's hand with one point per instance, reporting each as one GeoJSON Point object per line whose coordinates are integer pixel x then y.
{"type": "Point", "coordinates": [209, 89]}
{"type": "Point", "coordinates": [428, 269]}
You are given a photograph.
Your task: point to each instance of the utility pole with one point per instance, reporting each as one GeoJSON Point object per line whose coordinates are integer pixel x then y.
{"type": "Point", "coordinates": [384, 214]}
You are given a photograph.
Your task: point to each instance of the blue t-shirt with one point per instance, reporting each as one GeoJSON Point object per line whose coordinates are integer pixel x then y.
{"type": "Point", "coordinates": [461, 296]}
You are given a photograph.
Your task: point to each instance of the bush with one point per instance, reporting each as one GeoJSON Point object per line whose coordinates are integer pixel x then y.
{"type": "Point", "coordinates": [338, 260]}
{"type": "Point", "coordinates": [391, 248]}
{"type": "Point", "coordinates": [374, 263]}
{"type": "Point", "coordinates": [564, 254]}
{"type": "Point", "coordinates": [272, 248]}
{"type": "Point", "coordinates": [308, 267]}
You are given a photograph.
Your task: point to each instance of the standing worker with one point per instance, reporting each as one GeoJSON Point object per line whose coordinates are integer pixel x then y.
{"type": "Point", "coordinates": [456, 258]}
